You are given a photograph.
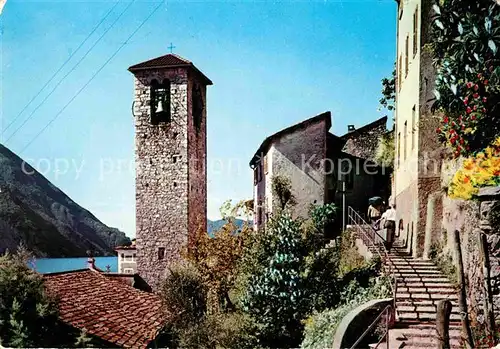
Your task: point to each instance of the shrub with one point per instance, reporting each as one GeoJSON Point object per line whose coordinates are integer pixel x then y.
{"type": "Point", "coordinates": [184, 297]}
{"type": "Point", "coordinates": [275, 295]}
{"type": "Point", "coordinates": [480, 170]}
{"type": "Point", "coordinates": [28, 314]}
{"type": "Point", "coordinates": [350, 258]}
{"type": "Point", "coordinates": [320, 328]}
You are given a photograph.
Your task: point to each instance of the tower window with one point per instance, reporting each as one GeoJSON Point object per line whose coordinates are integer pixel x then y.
{"type": "Point", "coordinates": [160, 101]}
{"type": "Point", "coordinates": [161, 253]}
{"type": "Point", "coordinates": [197, 107]}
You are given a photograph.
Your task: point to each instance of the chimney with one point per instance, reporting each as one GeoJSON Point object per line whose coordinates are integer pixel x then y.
{"type": "Point", "coordinates": [350, 128]}
{"type": "Point", "coordinates": [91, 264]}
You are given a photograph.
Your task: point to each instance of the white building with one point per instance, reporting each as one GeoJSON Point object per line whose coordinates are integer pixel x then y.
{"type": "Point", "coordinates": [127, 256]}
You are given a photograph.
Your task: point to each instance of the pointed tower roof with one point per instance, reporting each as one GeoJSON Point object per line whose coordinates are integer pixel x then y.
{"type": "Point", "coordinates": [168, 61]}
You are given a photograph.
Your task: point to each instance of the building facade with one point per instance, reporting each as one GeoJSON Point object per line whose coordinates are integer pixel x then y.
{"type": "Point", "coordinates": [316, 161]}
{"type": "Point", "coordinates": [170, 152]}
{"type": "Point", "coordinates": [127, 259]}
{"type": "Point", "coordinates": [417, 164]}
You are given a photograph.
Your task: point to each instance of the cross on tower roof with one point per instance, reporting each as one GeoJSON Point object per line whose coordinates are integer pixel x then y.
{"type": "Point", "coordinates": [171, 48]}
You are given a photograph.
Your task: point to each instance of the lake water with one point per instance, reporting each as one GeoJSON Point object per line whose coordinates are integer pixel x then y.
{"type": "Point", "coordinates": [54, 265]}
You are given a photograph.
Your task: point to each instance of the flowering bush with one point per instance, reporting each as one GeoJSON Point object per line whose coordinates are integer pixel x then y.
{"type": "Point", "coordinates": [465, 41]}
{"type": "Point", "coordinates": [480, 170]}
{"type": "Point", "coordinates": [458, 129]}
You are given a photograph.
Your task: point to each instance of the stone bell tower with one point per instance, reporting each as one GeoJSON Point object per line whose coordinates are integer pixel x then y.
{"type": "Point", "coordinates": [170, 154]}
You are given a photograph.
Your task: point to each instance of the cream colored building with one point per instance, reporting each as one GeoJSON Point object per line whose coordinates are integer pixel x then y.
{"type": "Point", "coordinates": [127, 259]}
{"type": "Point", "coordinates": [417, 162]}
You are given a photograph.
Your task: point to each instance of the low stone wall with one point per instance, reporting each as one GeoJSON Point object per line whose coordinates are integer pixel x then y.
{"type": "Point", "coordinates": [471, 218]}
{"type": "Point", "coordinates": [357, 321]}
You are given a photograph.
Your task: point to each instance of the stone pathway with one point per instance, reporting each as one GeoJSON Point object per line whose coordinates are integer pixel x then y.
{"type": "Point", "coordinates": [420, 287]}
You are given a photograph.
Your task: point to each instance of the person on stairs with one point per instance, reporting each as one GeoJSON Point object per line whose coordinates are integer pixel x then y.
{"type": "Point", "coordinates": [389, 218]}
{"type": "Point", "coordinates": [373, 214]}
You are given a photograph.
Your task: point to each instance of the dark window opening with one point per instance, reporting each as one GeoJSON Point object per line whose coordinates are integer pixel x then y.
{"type": "Point", "coordinates": [161, 253]}
{"type": "Point", "coordinates": [160, 102]}
{"type": "Point", "coordinates": [197, 107]}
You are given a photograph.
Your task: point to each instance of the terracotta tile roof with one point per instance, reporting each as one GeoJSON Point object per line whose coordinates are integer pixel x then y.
{"type": "Point", "coordinates": [168, 61]}
{"type": "Point", "coordinates": [107, 308]}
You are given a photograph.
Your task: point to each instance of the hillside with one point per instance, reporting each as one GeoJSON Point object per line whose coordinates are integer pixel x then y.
{"type": "Point", "coordinates": [213, 226]}
{"type": "Point", "coordinates": [35, 212]}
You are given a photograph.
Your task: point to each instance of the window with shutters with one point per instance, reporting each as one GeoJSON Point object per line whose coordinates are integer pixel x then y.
{"type": "Point", "coordinates": [415, 32]}
{"type": "Point", "coordinates": [161, 253]}
{"type": "Point", "coordinates": [413, 126]}
{"type": "Point", "coordinates": [265, 164]}
{"type": "Point", "coordinates": [406, 55]}
{"type": "Point", "coordinates": [399, 149]}
{"type": "Point", "coordinates": [405, 136]}
{"type": "Point", "coordinates": [400, 72]}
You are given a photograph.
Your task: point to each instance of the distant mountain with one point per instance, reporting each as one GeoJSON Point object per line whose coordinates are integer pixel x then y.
{"type": "Point", "coordinates": [36, 213]}
{"type": "Point", "coordinates": [213, 226]}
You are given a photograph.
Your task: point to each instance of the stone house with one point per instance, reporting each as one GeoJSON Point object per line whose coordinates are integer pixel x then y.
{"type": "Point", "coordinates": [315, 160]}
{"type": "Point", "coordinates": [418, 152]}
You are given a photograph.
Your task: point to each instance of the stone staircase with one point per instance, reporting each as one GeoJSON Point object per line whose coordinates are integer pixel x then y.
{"type": "Point", "coordinates": [420, 287]}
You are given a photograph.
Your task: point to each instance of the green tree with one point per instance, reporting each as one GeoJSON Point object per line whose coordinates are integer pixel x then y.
{"type": "Point", "coordinates": [388, 100]}
{"type": "Point", "coordinates": [275, 295]}
{"type": "Point", "coordinates": [28, 314]}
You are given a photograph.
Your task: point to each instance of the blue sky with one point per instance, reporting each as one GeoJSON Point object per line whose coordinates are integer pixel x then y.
{"type": "Point", "coordinates": [272, 64]}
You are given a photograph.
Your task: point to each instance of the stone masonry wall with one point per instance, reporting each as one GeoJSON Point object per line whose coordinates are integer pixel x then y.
{"type": "Point", "coordinates": [162, 176]}
{"type": "Point", "coordinates": [197, 149]}
{"type": "Point", "coordinates": [364, 144]}
{"type": "Point", "coordinates": [300, 156]}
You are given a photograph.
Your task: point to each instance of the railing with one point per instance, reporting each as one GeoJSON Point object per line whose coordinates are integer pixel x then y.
{"type": "Point", "coordinates": [375, 243]}
{"type": "Point", "coordinates": [386, 314]}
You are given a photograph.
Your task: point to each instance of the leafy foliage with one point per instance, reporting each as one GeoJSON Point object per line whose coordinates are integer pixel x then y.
{"type": "Point", "coordinates": [282, 188]}
{"type": "Point", "coordinates": [320, 328]}
{"type": "Point", "coordinates": [275, 294]}
{"type": "Point", "coordinates": [388, 100]}
{"type": "Point", "coordinates": [28, 314]}
{"type": "Point", "coordinates": [465, 41]}
{"type": "Point", "coordinates": [385, 150]}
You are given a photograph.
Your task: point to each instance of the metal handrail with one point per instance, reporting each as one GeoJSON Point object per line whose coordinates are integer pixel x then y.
{"type": "Point", "coordinates": [388, 311]}
{"type": "Point", "coordinates": [373, 240]}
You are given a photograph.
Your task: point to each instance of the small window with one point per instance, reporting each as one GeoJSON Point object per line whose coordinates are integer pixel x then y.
{"type": "Point", "coordinates": [123, 256]}
{"type": "Point", "coordinates": [415, 32]}
{"type": "Point", "coordinates": [405, 139]}
{"type": "Point", "coordinates": [160, 102]}
{"type": "Point", "coordinates": [161, 253]}
{"type": "Point", "coordinates": [134, 257]}
{"type": "Point", "coordinates": [400, 72]}
{"type": "Point", "coordinates": [407, 54]}
{"type": "Point", "coordinates": [399, 148]}
{"type": "Point", "coordinates": [128, 271]}
{"type": "Point", "coordinates": [265, 165]}
{"type": "Point", "coordinates": [413, 126]}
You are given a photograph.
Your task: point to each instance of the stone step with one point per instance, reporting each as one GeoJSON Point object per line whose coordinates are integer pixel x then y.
{"type": "Point", "coordinates": [447, 290]}
{"type": "Point", "coordinates": [424, 316]}
{"type": "Point", "coordinates": [430, 279]}
{"type": "Point", "coordinates": [424, 296]}
{"type": "Point", "coordinates": [423, 325]}
{"type": "Point", "coordinates": [423, 308]}
{"type": "Point", "coordinates": [431, 285]}
{"type": "Point", "coordinates": [423, 303]}
{"type": "Point", "coordinates": [416, 266]}
{"type": "Point", "coordinates": [419, 272]}
{"type": "Point", "coordinates": [435, 275]}
{"type": "Point", "coordinates": [411, 262]}
{"type": "Point", "coordinates": [423, 332]}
